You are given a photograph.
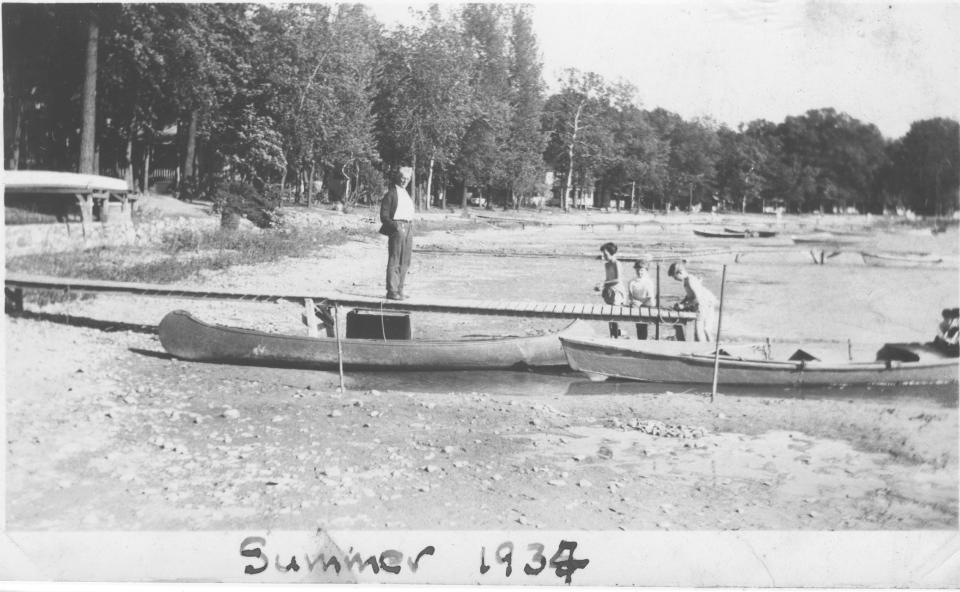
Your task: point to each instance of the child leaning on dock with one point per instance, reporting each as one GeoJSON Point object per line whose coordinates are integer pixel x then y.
{"type": "Point", "coordinates": [698, 298]}
{"type": "Point", "coordinates": [611, 289]}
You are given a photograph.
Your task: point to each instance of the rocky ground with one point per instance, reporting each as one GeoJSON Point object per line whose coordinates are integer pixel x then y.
{"type": "Point", "coordinates": [107, 432]}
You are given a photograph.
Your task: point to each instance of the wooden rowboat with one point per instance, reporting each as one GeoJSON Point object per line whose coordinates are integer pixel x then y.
{"type": "Point", "coordinates": [686, 362]}
{"type": "Point", "coordinates": [891, 259]}
{"type": "Point", "coordinates": [189, 338]}
{"type": "Point", "coordinates": [718, 233]}
{"type": "Point", "coordinates": [752, 233]}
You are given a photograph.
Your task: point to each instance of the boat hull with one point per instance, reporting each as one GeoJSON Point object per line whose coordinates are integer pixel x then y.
{"type": "Point", "coordinates": [679, 362]}
{"type": "Point", "coordinates": [900, 260]}
{"type": "Point", "coordinates": [189, 338]}
{"type": "Point", "coordinates": [718, 233]}
{"type": "Point", "coordinates": [752, 233]}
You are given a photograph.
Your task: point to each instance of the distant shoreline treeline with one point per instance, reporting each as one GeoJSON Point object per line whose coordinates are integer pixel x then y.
{"type": "Point", "coordinates": [298, 99]}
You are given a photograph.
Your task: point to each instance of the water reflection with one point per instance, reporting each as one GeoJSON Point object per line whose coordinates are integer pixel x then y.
{"type": "Point", "coordinates": [569, 383]}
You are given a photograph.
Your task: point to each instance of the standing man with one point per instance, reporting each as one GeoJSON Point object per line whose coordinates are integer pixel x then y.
{"type": "Point", "coordinates": [396, 216]}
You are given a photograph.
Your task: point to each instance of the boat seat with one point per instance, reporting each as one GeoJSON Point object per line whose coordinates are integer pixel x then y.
{"type": "Point", "coordinates": [803, 356]}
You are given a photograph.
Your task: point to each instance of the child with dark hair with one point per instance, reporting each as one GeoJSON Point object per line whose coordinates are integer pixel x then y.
{"type": "Point", "coordinates": [611, 289]}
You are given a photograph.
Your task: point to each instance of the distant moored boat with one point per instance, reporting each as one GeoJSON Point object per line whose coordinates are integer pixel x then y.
{"type": "Point", "coordinates": [882, 258]}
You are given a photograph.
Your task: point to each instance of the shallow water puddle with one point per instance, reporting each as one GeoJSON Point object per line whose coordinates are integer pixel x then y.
{"type": "Point", "coordinates": [793, 464]}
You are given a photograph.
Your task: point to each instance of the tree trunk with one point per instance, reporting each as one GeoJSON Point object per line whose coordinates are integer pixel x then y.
{"type": "Point", "coordinates": [346, 186]}
{"type": "Point", "coordinates": [17, 134]}
{"type": "Point", "coordinates": [188, 160]}
{"type": "Point", "coordinates": [413, 184]}
{"type": "Point", "coordinates": [443, 188]}
{"type": "Point", "coordinates": [633, 197]}
{"type": "Point", "coordinates": [463, 197]}
{"type": "Point", "coordinates": [309, 183]}
{"type": "Point", "coordinates": [564, 202]}
{"type": "Point", "coordinates": [128, 176]}
{"type": "Point", "coordinates": [429, 182]}
{"type": "Point", "coordinates": [146, 166]}
{"type": "Point", "coordinates": [89, 127]}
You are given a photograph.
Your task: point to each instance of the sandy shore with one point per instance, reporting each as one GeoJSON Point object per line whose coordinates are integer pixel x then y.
{"type": "Point", "coordinates": [105, 431]}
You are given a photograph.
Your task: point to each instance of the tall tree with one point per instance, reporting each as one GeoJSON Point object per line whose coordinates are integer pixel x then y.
{"type": "Point", "coordinates": [425, 98]}
{"type": "Point", "coordinates": [926, 166]}
{"type": "Point", "coordinates": [523, 152]}
{"type": "Point", "coordinates": [481, 160]}
{"type": "Point", "coordinates": [835, 159]}
{"type": "Point", "coordinates": [88, 132]}
{"type": "Point", "coordinates": [572, 117]}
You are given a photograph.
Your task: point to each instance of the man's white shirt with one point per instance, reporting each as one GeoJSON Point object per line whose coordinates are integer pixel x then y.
{"type": "Point", "coordinates": [405, 209]}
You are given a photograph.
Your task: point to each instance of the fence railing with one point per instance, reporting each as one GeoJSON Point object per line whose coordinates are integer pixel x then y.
{"type": "Point", "coordinates": [156, 175]}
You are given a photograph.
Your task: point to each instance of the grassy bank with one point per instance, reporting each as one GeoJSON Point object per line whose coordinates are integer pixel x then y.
{"type": "Point", "coordinates": [183, 254]}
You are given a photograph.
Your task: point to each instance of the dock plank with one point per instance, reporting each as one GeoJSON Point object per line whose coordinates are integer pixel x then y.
{"type": "Point", "coordinates": [433, 304]}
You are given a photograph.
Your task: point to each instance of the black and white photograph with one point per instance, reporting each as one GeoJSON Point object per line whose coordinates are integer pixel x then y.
{"type": "Point", "coordinates": [590, 293]}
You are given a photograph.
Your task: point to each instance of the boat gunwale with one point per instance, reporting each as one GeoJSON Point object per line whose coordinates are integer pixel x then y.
{"type": "Point", "coordinates": [389, 342]}
{"type": "Point", "coordinates": [740, 363]}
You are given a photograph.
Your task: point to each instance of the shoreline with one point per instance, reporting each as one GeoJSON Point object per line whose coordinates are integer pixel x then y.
{"type": "Point", "coordinates": [106, 431]}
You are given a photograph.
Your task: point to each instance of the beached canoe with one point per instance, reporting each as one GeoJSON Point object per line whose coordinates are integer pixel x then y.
{"type": "Point", "coordinates": [709, 233]}
{"type": "Point", "coordinates": [691, 362]}
{"type": "Point", "coordinates": [824, 238]}
{"type": "Point", "coordinates": [749, 232]}
{"type": "Point", "coordinates": [891, 259]}
{"type": "Point", "coordinates": [189, 338]}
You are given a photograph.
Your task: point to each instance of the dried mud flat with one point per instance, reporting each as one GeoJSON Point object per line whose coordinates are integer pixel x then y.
{"type": "Point", "coordinates": [107, 432]}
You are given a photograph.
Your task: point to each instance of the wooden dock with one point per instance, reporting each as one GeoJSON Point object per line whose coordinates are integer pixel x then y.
{"type": "Point", "coordinates": [620, 224]}
{"type": "Point", "coordinates": [15, 284]}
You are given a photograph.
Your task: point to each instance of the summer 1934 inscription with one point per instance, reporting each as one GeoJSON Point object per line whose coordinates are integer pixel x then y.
{"type": "Point", "coordinates": [562, 562]}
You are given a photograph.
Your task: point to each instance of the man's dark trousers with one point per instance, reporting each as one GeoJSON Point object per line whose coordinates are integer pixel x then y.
{"type": "Point", "coordinates": [399, 248]}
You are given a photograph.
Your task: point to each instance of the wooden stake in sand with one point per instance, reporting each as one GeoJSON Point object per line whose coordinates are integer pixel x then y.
{"type": "Point", "coordinates": [716, 350]}
{"type": "Point", "coordinates": [657, 325]}
{"type": "Point", "coordinates": [336, 324]}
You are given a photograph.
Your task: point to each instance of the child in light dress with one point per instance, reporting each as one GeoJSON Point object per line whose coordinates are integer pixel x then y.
{"type": "Point", "coordinates": [698, 299]}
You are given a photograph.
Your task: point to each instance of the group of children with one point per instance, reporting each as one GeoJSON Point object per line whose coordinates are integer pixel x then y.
{"type": "Point", "coordinates": [640, 291]}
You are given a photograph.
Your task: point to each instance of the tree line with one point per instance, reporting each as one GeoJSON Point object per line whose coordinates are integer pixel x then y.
{"type": "Point", "coordinates": [295, 99]}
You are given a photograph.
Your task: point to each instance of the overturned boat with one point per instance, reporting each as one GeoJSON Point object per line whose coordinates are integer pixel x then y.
{"type": "Point", "coordinates": [692, 362]}
{"type": "Point", "coordinates": [188, 338]}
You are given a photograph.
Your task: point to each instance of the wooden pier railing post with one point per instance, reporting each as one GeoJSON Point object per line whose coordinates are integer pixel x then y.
{"type": "Point", "coordinates": [716, 349]}
{"type": "Point", "coordinates": [336, 324]}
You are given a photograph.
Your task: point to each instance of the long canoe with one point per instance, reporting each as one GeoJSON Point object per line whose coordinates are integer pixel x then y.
{"type": "Point", "coordinates": [685, 362]}
{"type": "Point", "coordinates": [890, 259]}
{"type": "Point", "coordinates": [189, 338]}
{"type": "Point", "coordinates": [824, 238]}
{"type": "Point", "coordinates": [752, 232]}
{"type": "Point", "coordinates": [718, 233]}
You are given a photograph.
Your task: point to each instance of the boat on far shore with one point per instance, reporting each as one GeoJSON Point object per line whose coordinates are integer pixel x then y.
{"type": "Point", "coordinates": [718, 233]}
{"type": "Point", "coordinates": [895, 259]}
{"type": "Point", "coordinates": [750, 232]}
{"type": "Point", "coordinates": [693, 363]}
{"type": "Point", "coordinates": [825, 238]}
